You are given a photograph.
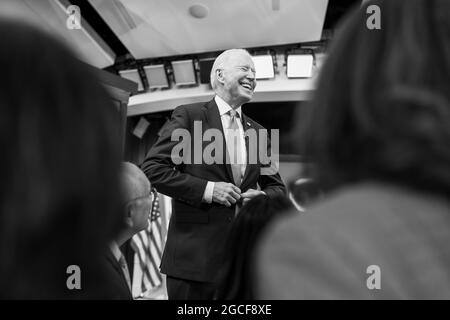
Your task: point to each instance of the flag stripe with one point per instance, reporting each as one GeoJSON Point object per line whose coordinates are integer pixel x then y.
{"type": "Point", "coordinates": [143, 257]}
{"type": "Point", "coordinates": [147, 245]}
{"type": "Point", "coordinates": [149, 258]}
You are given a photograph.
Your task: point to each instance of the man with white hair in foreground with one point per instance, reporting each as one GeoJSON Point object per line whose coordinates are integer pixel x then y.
{"type": "Point", "coordinates": [136, 211]}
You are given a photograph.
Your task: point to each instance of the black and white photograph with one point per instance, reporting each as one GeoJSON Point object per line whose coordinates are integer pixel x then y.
{"type": "Point", "coordinates": [218, 156]}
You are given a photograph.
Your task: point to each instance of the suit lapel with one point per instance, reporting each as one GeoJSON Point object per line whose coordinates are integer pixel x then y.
{"type": "Point", "coordinates": [214, 121]}
{"type": "Point", "coordinates": [116, 265]}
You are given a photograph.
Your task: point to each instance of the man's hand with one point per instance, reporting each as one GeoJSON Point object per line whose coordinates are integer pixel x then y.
{"type": "Point", "coordinates": [250, 194]}
{"type": "Point", "coordinates": [226, 193]}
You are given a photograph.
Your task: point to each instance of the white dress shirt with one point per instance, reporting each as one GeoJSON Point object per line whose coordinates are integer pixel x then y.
{"type": "Point", "coordinates": [224, 108]}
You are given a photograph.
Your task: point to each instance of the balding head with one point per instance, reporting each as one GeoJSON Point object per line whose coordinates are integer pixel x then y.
{"type": "Point", "coordinates": [138, 201]}
{"type": "Point", "coordinates": [134, 182]}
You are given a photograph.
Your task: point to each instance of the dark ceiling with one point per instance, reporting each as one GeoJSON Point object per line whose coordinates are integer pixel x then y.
{"type": "Point", "coordinates": [336, 10]}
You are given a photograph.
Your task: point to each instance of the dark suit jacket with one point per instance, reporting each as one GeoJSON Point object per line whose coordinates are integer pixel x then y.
{"type": "Point", "coordinates": [197, 230]}
{"type": "Point", "coordinates": [116, 282]}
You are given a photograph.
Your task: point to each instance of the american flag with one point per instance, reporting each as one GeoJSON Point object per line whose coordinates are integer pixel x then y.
{"type": "Point", "coordinates": [148, 247]}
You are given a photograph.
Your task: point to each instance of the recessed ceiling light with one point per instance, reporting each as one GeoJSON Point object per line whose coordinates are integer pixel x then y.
{"type": "Point", "coordinates": [198, 11]}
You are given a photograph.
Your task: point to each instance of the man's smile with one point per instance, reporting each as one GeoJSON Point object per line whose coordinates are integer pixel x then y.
{"type": "Point", "coordinates": [246, 85]}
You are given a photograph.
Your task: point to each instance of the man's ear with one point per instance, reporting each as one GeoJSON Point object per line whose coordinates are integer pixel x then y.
{"type": "Point", "coordinates": [219, 75]}
{"type": "Point", "coordinates": [129, 216]}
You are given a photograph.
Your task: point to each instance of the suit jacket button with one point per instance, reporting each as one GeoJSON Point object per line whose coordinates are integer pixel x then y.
{"type": "Point", "coordinates": [230, 219]}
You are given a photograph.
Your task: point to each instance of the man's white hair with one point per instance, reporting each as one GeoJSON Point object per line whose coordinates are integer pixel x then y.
{"type": "Point", "coordinates": [221, 62]}
{"type": "Point", "coordinates": [134, 182]}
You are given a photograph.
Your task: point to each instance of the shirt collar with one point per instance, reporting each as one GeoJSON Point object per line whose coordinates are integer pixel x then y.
{"type": "Point", "coordinates": [115, 250]}
{"type": "Point", "coordinates": [225, 107]}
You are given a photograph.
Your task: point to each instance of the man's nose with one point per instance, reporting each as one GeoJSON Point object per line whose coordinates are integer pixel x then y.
{"type": "Point", "coordinates": [251, 75]}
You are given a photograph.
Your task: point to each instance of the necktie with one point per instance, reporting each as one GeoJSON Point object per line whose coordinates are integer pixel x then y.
{"type": "Point", "coordinates": [125, 271]}
{"type": "Point", "coordinates": [235, 147]}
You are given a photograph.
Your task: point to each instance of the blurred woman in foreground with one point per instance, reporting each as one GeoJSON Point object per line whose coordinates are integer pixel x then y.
{"type": "Point", "coordinates": [59, 185]}
{"type": "Point", "coordinates": [379, 131]}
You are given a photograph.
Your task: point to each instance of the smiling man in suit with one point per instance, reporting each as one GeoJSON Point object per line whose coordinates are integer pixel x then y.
{"type": "Point", "coordinates": [206, 197]}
